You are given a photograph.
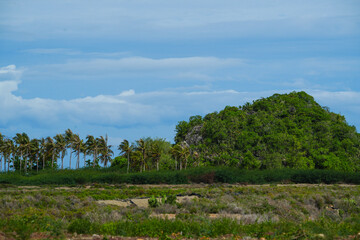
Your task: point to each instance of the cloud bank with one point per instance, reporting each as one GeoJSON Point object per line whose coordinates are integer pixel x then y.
{"type": "Point", "coordinates": [130, 110]}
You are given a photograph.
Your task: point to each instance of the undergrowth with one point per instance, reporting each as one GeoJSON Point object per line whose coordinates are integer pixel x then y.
{"type": "Point", "coordinates": [196, 175]}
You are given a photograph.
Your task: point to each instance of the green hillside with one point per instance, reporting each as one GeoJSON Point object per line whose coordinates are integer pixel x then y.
{"type": "Point", "coordinates": [281, 131]}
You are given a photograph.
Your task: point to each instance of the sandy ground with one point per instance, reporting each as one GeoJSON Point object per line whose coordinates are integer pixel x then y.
{"type": "Point", "coordinates": [140, 202]}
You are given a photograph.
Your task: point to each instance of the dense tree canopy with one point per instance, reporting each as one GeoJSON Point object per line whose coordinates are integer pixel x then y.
{"type": "Point", "coordinates": [284, 130]}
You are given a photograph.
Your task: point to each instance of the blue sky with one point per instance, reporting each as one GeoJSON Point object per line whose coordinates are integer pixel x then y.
{"type": "Point", "coordinates": [131, 69]}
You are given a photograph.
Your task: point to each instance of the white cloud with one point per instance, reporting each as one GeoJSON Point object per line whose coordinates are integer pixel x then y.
{"type": "Point", "coordinates": [176, 19]}
{"type": "Point", "coordinates": [147, 111]}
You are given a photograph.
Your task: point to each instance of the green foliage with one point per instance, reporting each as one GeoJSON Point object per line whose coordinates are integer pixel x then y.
{"type": "Point", "coordinates": [153, 202]}
{"type": "Point", "coordinates": [79, 226]}
{"type": "Point", "coordinates": [281, 131]}
{"type": "Point", "coordinates": [119, 162]}
{"type": "Point", "coordinates": [194, 175]}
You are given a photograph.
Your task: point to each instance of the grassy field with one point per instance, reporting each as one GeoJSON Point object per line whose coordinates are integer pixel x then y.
{"type": "Point", "coordinates": [231, 211]}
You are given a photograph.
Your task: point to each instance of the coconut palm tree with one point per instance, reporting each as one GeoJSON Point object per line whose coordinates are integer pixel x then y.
{"type": "Point", "coordinates": [126, 149]}
{"type": "Point", "coordinates": [77, 142]}
{"type": "Point", "coordinates": [1, 152]}
{"type": "Point", "coordinates": [84, 150]}
{"type": "Point", "coordinates": [22, 141]}
{"type": "Point", "coordinates": [175, 152]}
{"type": "Point", "coordinates": [156, 152]}
{"type": "Point", "coordinates": [184, 153]}
{"type": "Point", "coordinates": [105, 150]}
{"type": "Point", "coordinates": [69, 135]}
{"type": "Point", "coordinates": [93, 147]}
{"type": "Point", "coordinates": [42, 143]}
{"type": "Point", "coordinates": [60, 144]}
{"type": "Point", "coordinates": [8, 149]}
{"type": "Point", "coordinates": [34, 153]}
{"type": "Point", "coordinates": [51, 148]}
{"type": "Point", "coordinates": [141, 146]}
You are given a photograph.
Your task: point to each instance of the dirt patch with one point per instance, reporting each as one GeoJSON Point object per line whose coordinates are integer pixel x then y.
{"type": "Point", "coordinates": [29, 187]}
{"type": "Point", "coordinates": [115, 203]}
{"type": "Point", "coordinates": [141, 202]}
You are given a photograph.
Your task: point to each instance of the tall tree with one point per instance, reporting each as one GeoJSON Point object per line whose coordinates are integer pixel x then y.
{"type": "Point", "coordinates": [51, 148]}
{"type": "Point", "coordinates": [126, 149]}
{"type": "Point", "coordinates": [69, 135]}
{"type": "Point", "coordinates": [105, 150]}
{"type": "Point", "coordinates": [84, 150]}
{"type": "Point", "coordinates": [141, 146]}
{"type": "Point", "coordinates": [43, 151]}
{"type": "Point", "coordinates": [22, 141]}
{"type": "Point", "coordinates": [60, 144]}
{"type": "Point", "coordinates": [175, 152]}
{"type": "Point", "coordinates": [77, 143]}
{"type": "Point", "coordinates": [1, 152]}
{"type": "Point", "coordinates": [34, 153]}
{"type": "Point", "coordinates": [93, 147]}
{"type": "Point", "coordinates": [8, 149]}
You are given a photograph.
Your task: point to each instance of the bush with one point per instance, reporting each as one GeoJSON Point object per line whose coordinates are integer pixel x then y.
{"type": "Point", "coordinates": [79, 226]}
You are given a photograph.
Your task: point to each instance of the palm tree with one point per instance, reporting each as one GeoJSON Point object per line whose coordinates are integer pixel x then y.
{"type": "Point", "coordinates": [155, 152]}
{"type": "Point", "coordinates": [43, 147]}
{"type": "Point", "coordinates": [69, 135]}
{"type": "Point", "coordinates": [51, 148]}
{"type": "Point", "coordinates": [1, 152]}
{"type": "Point", "coordinates": [175, 152]}
{"type": "Point", "coordinates": [105, 150]}
{"type": "Point", "coordinates": [8, 149]}
{"type": "Point", "coordinates": [184, 153]}
{"type": "Point", "coordinates": [126, 149]}
{"type": "Point", "coordinates": [60, 144]}
{"type": "Point", "coordinates": [84, 150]}
{"type": "Point", "coordinates": [93, 147]}
{"type": "Point", "coordinates": [76, 144]}
{"type": "Point", "coordinates": [22, 141]}
{"type": "Point", "coordinates": [34, 153]}
{"type": "Point", "coordinates": [141, 146]}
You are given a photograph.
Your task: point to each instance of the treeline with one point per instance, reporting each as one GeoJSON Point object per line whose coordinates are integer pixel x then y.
{"type": "Point", "coordinates": [22, 154]}
{"type": "Point", "coordinates": [281, 131]}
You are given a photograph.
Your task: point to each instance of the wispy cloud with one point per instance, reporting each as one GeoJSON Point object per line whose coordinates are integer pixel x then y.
{"type": "Point", "coordinates": [171, 19]}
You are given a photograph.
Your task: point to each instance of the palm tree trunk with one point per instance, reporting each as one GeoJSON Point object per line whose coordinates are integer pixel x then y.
{"type": "Point", "coordinates": [128, 166]}
{"type": "Point", "coordinates": [175, 163]}
{"type": "Point", "coordinates": [20, 160]}
{"type": "Point", "coordinates": [78, 159]}
{"type": "Point", "coordinates": [52, 160]}
{"type": "Point", "coordinates": [62, 161]}
{"type": "Point", "coordinates": [70, 158]}
{"type": "Point", "coordinates": [94, 159]}
{"type": "Point", "coordinates": [25, 165]}
{"type": "Point", "coordinates": [157, 165]}
{"type": "Point", "coordinates": [37, 162]}
{"type": "Point", "coordinates": [1, 162]}
{"type": "Point", "coordinates": [43, 161]}
{"type": "Point", "coordinates": [84, 159]}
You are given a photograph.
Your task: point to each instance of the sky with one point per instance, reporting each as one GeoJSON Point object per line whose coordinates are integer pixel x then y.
{"type": "Point", "coordinates": [133, 69]}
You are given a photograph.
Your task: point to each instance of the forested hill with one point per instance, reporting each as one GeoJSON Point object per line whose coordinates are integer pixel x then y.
{"type": "Point", "coordinates": [284, 130]}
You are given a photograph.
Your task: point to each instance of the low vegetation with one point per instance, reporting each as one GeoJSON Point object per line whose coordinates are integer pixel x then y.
{"type": "Point", "coordinates": [195, 175]}
{"type": "Point", "coordinates": [234, 211]}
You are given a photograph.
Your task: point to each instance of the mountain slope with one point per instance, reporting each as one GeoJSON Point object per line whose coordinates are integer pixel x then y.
{"type": "Point", "coordinates": [284, 130]}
